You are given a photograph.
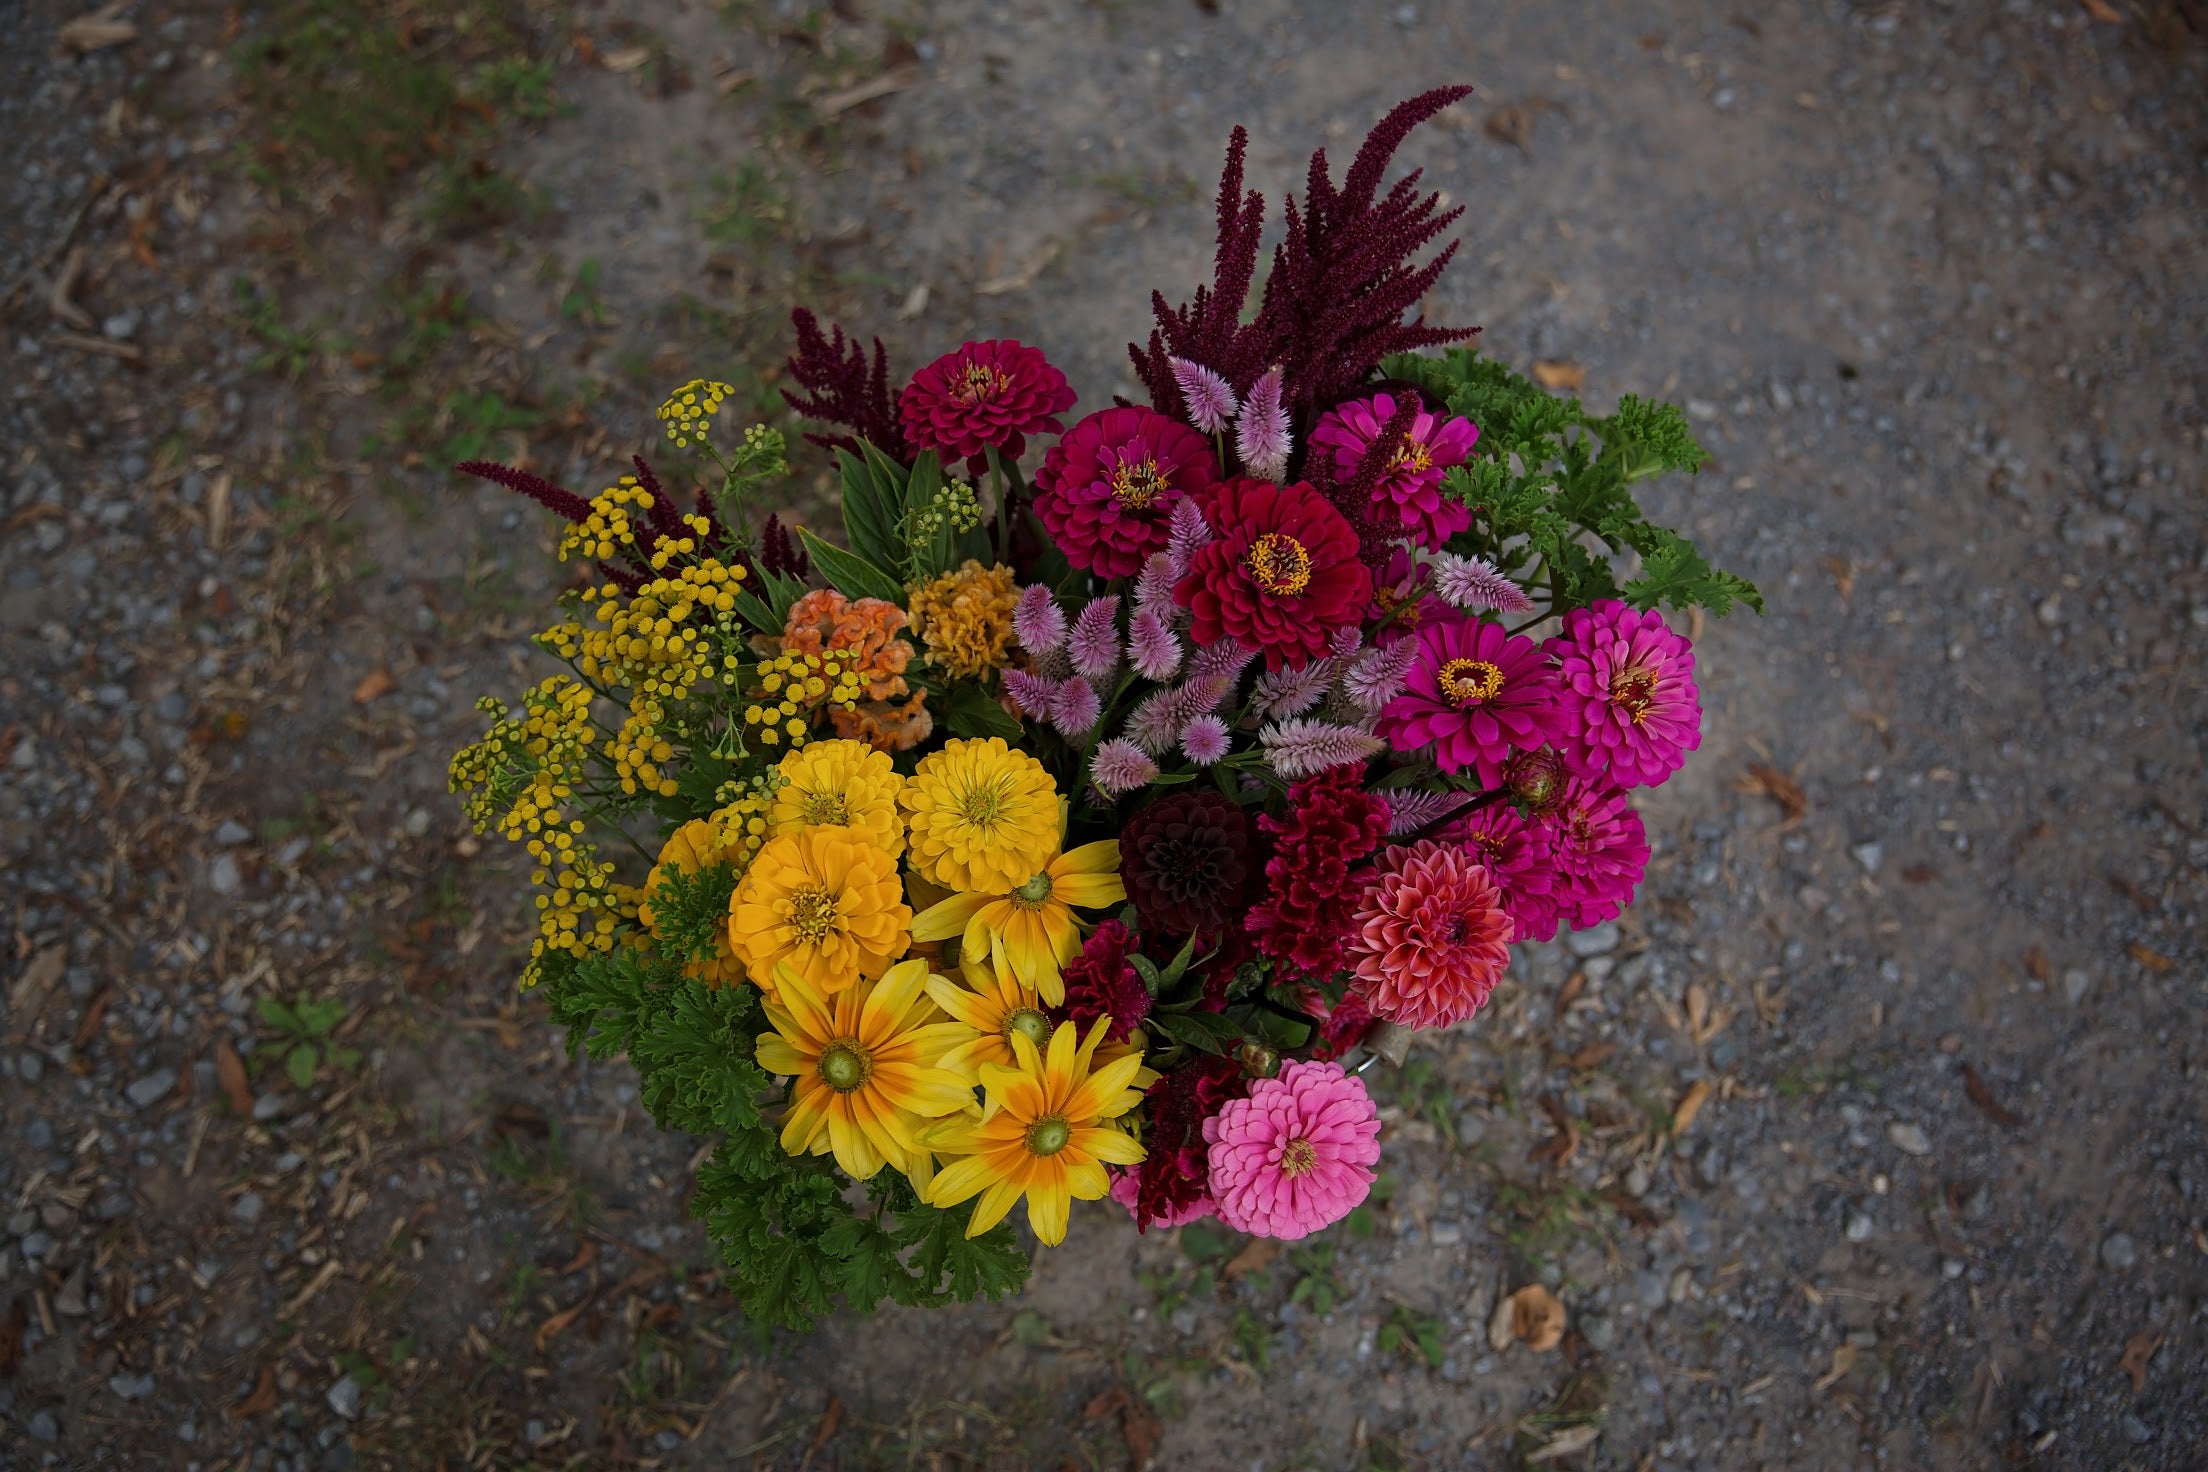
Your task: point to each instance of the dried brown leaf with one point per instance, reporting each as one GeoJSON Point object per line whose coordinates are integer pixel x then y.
{"type": "Point", "coordinates": [1842, 573]}
{"type": "Point", "coordinates": [1569, 992]}
{"type": "Point", "coordinates": [1919, 874]}
{"type": "Point", "coordinates": [1138, 1426]}
{"type": "Point", "coordinates": [1259, 1252]}
{"type": "Point", "coordinates": [1778, 786]}
{"type": "Point", "coordinates": [1571, 1439]}
{"type": "Point", "coordinates": [261, 1401]}
{"type": "Point", "coordinates": [2102, 11]}
{"type": "Point", "coordinates": [2036, 964]}
{"type": "Point", "coordinates": [374, 685]}
{"type": "Point", "coordinates": [94, 1015]}
{"type": "Point", "coordinates": [1537, 1317]}
{"type": "Point", "coordinates": [1510, 124]}
{"type": "Point", "coordinates": [556, 1325]}
{"type": "Point", "coordinates": [1591, 1056]}
{"type": "Point", "coordinates": [1557, 374]}
{"type": "Point", "coordinates": [830, 1419]}
{"type": "Point", "coordinates": [2138, 1352]}
{"type": "Point", "coordinates": [28, 994]}
{"type": "Point", "coordinates": [1980, 1095]}
{"type": "Point", "coordinates": [230, 1072]}
{"type": "Point", "coordinates": [2150, 958]}
{"type": "Point", "coordinates": [98, 30]}
{"type": "Point", "coordinates": [1690, 1104]}
{"type": "Point", "coordinates": [1843, 1360]}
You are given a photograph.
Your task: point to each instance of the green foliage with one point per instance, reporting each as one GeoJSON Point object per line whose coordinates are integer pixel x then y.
{"type": "Point", "coordinates": [1411, 1333]}
{"type": "Point", "coordinates": [851, 575]}
{"type": "Point", "coordinates": [303, 1030]}
{"type": "Point", "coordinates": [1551, 489]}
{"type": "Point", "coordinates": [690, 911]}
{"type": "Point", "coordinates": [792, 1244]}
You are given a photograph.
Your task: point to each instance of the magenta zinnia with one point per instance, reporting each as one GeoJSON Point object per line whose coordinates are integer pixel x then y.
{"type": "Point", "coordinates": [1475, 695]}
{"type": "Point", "coordinates": [1431, 937]}
{"type": "Point", "coordinates": [1516, 854]}
{"type": "Point", "coordinates": [1107, 490]}
{"type": "Point", "coordinates": [1280, 574]}
{"type": "Point", "coordinates": [1598, 850]}
{"type": "Point", "coordinates": [986, 395]}
{"type": "Point", "coordinates": [1408, 493]}
{"type": "Point", "coordinates": [1629, 707]}
{"type": "Point", "coordinates": [1296, 1156]}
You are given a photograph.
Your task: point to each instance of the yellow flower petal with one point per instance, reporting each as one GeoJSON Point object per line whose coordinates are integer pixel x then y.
{"type": "Point", "coordinates": [1048, 1206]}
{"type": "Point", "coordinates": [947, 918]}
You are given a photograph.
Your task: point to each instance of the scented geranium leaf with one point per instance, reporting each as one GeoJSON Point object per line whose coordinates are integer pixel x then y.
{"type": "Point", "coordinates": [1652, 438]}
{"type": "Point", "coordinates": [851, 575]}
{"type": "Point", "coordinates": [768, 1213]}
{"type": "Point", "coordinates": [873, 510]}
{"type": "Point", "coordinates": [690, 911]}
{"type": "Point", "coordinates": [873, 1265]}
{"type": "Point", "coordinates": [600, 1000]}
{"type": "Point", "coordinates": [951, 1264]}
{"type": "Point", "coordinates": [693, 1054]}
{"type": "Point", "coordinates": [1675, 574]}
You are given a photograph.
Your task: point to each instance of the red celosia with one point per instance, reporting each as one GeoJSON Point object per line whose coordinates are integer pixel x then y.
{"type": "Point", "coordinates": [1173, 1176]}
{"type": "Point", "coordinates": [1101, 983]}
{"type": "Point", "coordinates": [1107, 490]}
{"type": "Point", "coordinates": [842, 387]}
{"type": "Point", "coordinates": [1332, 824]}
{"type": "Point", "coordinates": [1343, 1027]}
{"type": "Point", "coordinates": [1184, 861]}
{"type": "Point", "coordinates": [986, 395]}
{"type": "Point", "coordinates": [1280, 573]}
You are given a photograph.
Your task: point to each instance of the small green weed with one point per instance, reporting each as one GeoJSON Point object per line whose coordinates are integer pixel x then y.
{"type": "Point", "coordinates": [303, 1029]}
{"type": "Point", "coordinates": [1412, 1334]}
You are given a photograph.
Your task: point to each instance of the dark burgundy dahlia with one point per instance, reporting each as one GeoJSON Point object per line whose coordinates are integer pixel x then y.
{"type": "Point", "coordinates": [1280, 573]}
{"type": "Point", "coordinates": [1185, 862]}
{"type": "Point", "coordinates": [986, 395]}
{"type": "Point", "coordinates": [1107, 490]}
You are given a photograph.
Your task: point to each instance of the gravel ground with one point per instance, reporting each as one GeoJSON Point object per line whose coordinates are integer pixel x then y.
{"type": "Point", "coordinates": [1872, 1136]}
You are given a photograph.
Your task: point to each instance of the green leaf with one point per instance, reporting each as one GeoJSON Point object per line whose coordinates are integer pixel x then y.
{"type": "Point", "coordinates": [852, 576]}
{"type": "Point", "coordinates": [318, 1015]}
{"type": "Point", "coordinates": [873, 512]}
{"type": "Point", "coordinates": [758, 615]}
{"type": "Point", "coordinates": [345, 1058]}
{"type": "Point", "coordinates": [299, 1063]}
{"type": "Point", "coordinates": [937, 554]}
{"type": "Point", "coordinates": [971, 712]}
{"type": "Point", "coordinates": [781, 593]}
{"type": "Point", "coordinates": [1198, 1030]}
{"type": "Point", "coordinates": [277, 1015]}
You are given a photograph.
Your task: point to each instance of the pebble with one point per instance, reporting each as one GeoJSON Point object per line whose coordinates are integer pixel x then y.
{"type": "Point", "coordinates": [38, 1134]}
{"type": "Point", "coordinates": [1869, 855]}
{"type": "Point", "coordinates": [1909, 1139]}
{"type": "Point", "coordinates": [131, 1387]}
{"type": "Point", "coordinates": [2118, 1251]}
{"type": "Point", "coordinates": [152, 1089]}
{"type": "Point", "coordinates": [1681, 1287]}
{"type": "Point", "coordinates": [2075, 984]}
{"type": "Point", "coordinates": [2050, 610]}
{"type": "Point", "coordinates": [416, 823]}
{"type": "Point", "coordinates": [1600, 1332]}
{"type": "Point", "coordinates": [1598, 940]}
{"type": "Point", "coordinates": [122, 325]}
{"type": "Point", "coordinates": [268, 1106]}
{"type": "Point", "coordinates": [247, 1208]}
{"type": "Point", "coordinates": [70, 1301]}
{"type": "Point", "coordinates": [1650, 1287]}
{"type": "Point", "coordinates": [43, 1427]}
{"type": "Point", "coordinates": [30, 1066]}
{"type": "Point", "coordinates": [222, 875]}
{"type": "Point", "coordinates": [1860, 1226]}
{"type": "Point", "coordinates": [2138, 1431]}
{"type": "Point", "coordinates": [344, 1397]}
{"type": "Point", "coordinates": [231, 833]}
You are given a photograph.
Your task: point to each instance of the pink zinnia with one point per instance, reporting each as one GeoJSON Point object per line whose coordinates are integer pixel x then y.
{"type": "Point", "coordinates": [1517, 857]}
{"type": "Point", "coordinates": [1296, 1156]}
{"type": "Point", "coordinates": [1431, 937]}
{"type": "Point", "coordinates": [1409, 488]}
{"type": "Point", "coordinates": [1598, 852]}
{"type": "Point", "coordinates": [1107, 490]}
{"type": "Point", "coordinates": [986, 395]}
{"type": "Point", "coordinates": [1629, 706]}
{"type": "Point", "coordinates": [1476, 694]}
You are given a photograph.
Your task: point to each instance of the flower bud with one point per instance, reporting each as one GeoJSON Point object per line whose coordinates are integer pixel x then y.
{"type": "Point", "coordinates": [1258, 1060]}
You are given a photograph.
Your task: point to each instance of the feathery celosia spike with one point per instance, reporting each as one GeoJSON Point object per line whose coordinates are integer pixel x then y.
{"type": "Point", "coordinates": [535, 487]}
{"type": "Point", "coordinates": [1031, 693]}
{"type": "Point", "coordinates": [1345, 641]}
{"type": "Point", "coordinates": [1291, 692]}
{"type": "Point", "coordinates": [1118, 767]}
{"type": "Point", "coordinates": [1152, 649]}
{"type": "Point", "coordinates": [1376, 677]}
{"type": "Point", "coordinates": [1477, 586]}
{"type": "Point", "coordinates": [1302, 748]}
{"type": "Point", "coordinates": [1094, 642]}
{"type": "Point", "coordinates": [1185, 538]}
{"type": "Point", "coordinates": [1205, 740]}
{"type": "Point", "coordinates": [1037, 620]}
{"type": "Point", "coordinates": [1225, 660]}
{"type": "Point", "coordinates": [1154, 587]}
{"type": "Point", "coordinates": [1410, 809]}
{"type": "Point", "coordinates": [842, 387]}
{"type": "Point", "coordinates": [664, 519]}
{"type": "Point", "coordinates": [1209, 398]}
{"type": "Point", "coordinates": [1261, 432]}
{"type": "Point", "coordinates": [1075, 708]}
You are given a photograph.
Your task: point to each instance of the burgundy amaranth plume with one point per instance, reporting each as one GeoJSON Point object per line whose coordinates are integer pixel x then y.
{"type": "Point", "coordinates": [842, 387]}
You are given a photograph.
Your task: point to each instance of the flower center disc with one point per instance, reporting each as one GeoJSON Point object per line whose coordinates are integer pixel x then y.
{"type": "Point", "coordinates": [1031, 895]}
{"type": "Point", "coordinates": [980, 806]}
{"type": "Point", "coordinates": [827, 807]}
{"type": "Point", "coordinates": [844, 1065]}
{"type": "Point", "coordinates": [1030, 1024]}
{"type": "Point", "coordinates": [812, 914]}
{"type": "Point", "coordinates": [1470, 681]}
{"type": "Point", "coordinates": [1279, 564]}
{"type": "Point", "coordinates": [1413, 457]}
{"type": "Point", "coordinates": [1137, 483]}
{"type": "Point", "coordinates": [1048, 1135]}
{"type": "Point", "coordinates": [978, 383]}
{"type": "Point", "coordinates": [1299, 1157]}
{"type": "Point", "coordinates": [1634, 692]}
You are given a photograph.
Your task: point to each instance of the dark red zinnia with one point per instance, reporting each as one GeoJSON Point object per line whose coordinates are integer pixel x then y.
{"type": "Point", "coordinates": [1106, 491]}
{"type": "Point", "coordinates": [1101, 983]}
{"type": "Point", "coordinates": [1280, 573]}
{"type": "Point", "coordinates": [1174, 1176]}
{"type": "Point", "coordinates": [1332, 824]}
{"type": "Point", "coordinates": [1184, 860]}
{"type": "Point", "coordinates": [986, 395]}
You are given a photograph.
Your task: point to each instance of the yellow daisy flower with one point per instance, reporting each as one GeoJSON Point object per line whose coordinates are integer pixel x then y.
{"type": "Point", "coordinates": [822, 902]}
{"type": "Point", "coordinates": [841, 782]}
{"type": "Point", "coordinates": [990, 1007]}
{"type": "Point", "coordinates": [1045, 1133]}
{"type": "Point", "coordinates": [981, 816]}
{"type": "Point", "coordinates": [861, 1086]}
{"type": "Point", "coordinates": [1034, 918]}
{"type": "Point", "coordinates": [695, 845]}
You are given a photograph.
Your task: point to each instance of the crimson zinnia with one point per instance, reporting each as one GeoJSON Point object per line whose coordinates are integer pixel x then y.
{"type": "Point", "coordinates": [1279, 574]}
{"type": "Point", "coordinates": [1107, 490]}
{"type": "Point", "coordinates": [985, 395]}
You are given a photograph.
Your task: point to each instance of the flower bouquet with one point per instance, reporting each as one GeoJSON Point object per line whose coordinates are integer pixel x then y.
{"type": "Point", "coordinates": [1076, 824]}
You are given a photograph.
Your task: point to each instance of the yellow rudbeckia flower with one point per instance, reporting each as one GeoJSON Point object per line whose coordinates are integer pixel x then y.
{"type": "Point", "coordinates": [822, 902]}
{"type": "Point", "coordinates": [991, 1006]}
{"type": "Point", "coordinates": [1033, 919]}
{"type": "Point", "coordinates": [847, 783]}
{"type": "Point", "coordinates": [862, 1084]}
{"type": "Point", "coordinates": [1045, 1133]}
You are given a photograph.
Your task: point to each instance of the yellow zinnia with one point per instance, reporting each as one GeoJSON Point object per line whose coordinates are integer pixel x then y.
{"type": "Point", "coordinates": [695, 845]}
{"type": "Point", "coordinates": [861, 1084]}
{"type": "Point", "coordinates": [822, 902]}
{"type": "Point", "coordinates": [1033, 919]}
{"type": "Point", "coordinates": [840, 782]}
{"type": "Point", "coordinates": [1044, 1134]}
{"type": "Point", "coordinates": [965, 619]}
{"type": "Point", "coordinates": [982, 816]}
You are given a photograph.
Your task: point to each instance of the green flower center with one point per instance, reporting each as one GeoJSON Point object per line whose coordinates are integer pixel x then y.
{"type": "Point", "coordinates": [845, 1066]}
{"type": "Point", "coordinates": [1030, 1024]}
{"type": "Point", "coordinates": [1048, 1135]}
{"type": "Point", "coordinates": [1031, 895]}
{"type": "Point", "coordinates": [982, 805]}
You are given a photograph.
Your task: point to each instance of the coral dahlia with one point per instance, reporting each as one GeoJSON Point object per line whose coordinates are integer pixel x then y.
{"type": "Point", "coordinates": [1280, 574]}
{"type": "Point", "coordinates": [1431, 936]}
{"type": "Point", "coordinates": [1475, 695]}
{"type": "Point", "coordinates": [1107, 490]}
{"type": "Point", "coordinates": [1408, 492]}
{"type": "Point", "coordinates": [1629, 704]}
{"type": "Point", "coordinates": [986, 395]}
{"type": "Point", "coordinates": [1296, 1156]}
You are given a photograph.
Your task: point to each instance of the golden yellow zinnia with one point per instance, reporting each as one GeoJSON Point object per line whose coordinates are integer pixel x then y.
{"type": "Point", "coordinates": [980, 816]}
{"type": "Point", "coordinates": [1045, 1134]}
{"type": "Point", "coordinates": [695, 845]}
{"type": "Point", "coordinates": [862, 1085]}
{"type": "Point", "coordinates": [1033, 920]}
{"type": "Point", "coordinates": [845, 783]}
{"type": "Point", "coordinates": [965, 619]}
{"type": "Point", "coordinates": [823, 902]}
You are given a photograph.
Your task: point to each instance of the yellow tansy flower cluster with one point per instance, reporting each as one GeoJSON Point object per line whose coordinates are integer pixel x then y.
{"type": "Point", "coordinates": [689, 410]}
{"type": "Point", "coordinates": [965, 619]}
{"type": "Point", "coordinates": [793, 685]}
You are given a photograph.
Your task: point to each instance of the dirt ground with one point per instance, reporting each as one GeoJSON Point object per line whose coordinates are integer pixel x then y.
{"type": "Point", "coordinates": [1922, 939]}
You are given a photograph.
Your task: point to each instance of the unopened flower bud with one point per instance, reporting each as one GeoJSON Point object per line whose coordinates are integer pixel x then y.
{"type": "Point", "coordinates": [1258, 1060]}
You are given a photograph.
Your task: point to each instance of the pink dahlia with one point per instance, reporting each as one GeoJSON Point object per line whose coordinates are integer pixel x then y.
{"type": "Point", "coordinates": [986, 395]}
{"type": "Point", "coordinates": [1516, 855]}
{"type": "Point", "coordinates": [1296, 1156]}
{"type": "Point", "coordinates": [1629, 707]}
{"type": "Point", "coordinates": [1409, 489]}
{"type": "Point", "coordinates": [1598, 852]}
{"type": "Point", "coordinates": [1107, 490]}
{"type": "Point", "coordinates": [1476, 695]}
{"type": "Point", "coordinates": [1280, 573]}
{"type": "Point", "coordinates": [1431, 937]}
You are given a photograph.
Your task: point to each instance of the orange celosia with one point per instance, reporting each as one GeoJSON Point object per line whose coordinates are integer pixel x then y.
{"type": "Point", "coordinates": [893, 716]}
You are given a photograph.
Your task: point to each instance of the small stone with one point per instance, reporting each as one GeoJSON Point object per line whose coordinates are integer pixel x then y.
{"type": "Point", "coordinates": [31, 1067]}
{"type": "Point", "coordinates": [1650, 1289]}
{"type": "Point", "coordinates": [1600, 1332]}
{"type": "Point", "coordinates": [344, 1397]}
{"type": "Point", "coordinates": [38, 1134]}
{"type": "Point", "coordinates": [2136, 1430]}
{"type": "Point", "coordinates": [43, 1427]}
{"type": "Point", "coordinates": [223, 876]}
{"type": "Point", "coordinates": [2118, 1251]}
{"type": "Point", "coordinates": [1909, 1139]}
{"type": "Point", "coordinates": [2075, 984]}
{"type": "Point", "coordinates": [268, 1106]}
{"type": "Point", "coordinates": [1953, 1268]}
{"type": "Point", "coordinates": [1446, 1234]}
{"type": "Point", "coordinates": [121, 325]}
{"type": "Point", "coordinates": [1636, 1180]}
{"type": "Point", "coordinates": [231, 833]}
{"type": "Point", "coordinates": [1860, 1226]}
{"type": "Point", "coordinates": [1869, 855]}
{"type": "Point", "coordinates": [2050, 610]}
{"type": "Point", "coordinates": [1597, 940]}
{"type": "Point", "coordinates": [246, 1210]}
{"type": "Point", "coordinates": [1681, 1287]}
{"type": "Point", "coordinates": [131, 1387]}
{"type": "Point", "coordinates": [69, 1302]}
{"type": "Point", "coordinates": [416, 823]}
{"type": "Point", "coordinates": [151, 1089]}
{"type": "Point", "coordinates": [533, 1432]}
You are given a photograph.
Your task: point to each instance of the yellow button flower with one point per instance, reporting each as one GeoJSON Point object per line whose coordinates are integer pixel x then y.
{"type": "Point", "coordinates": [822, 902]}
{"type": "Point", "coordinates": [1045, 1133]}
{"type": "Point", "coordinates": [841, 782]}
{"type": "Point", "coordinates": [980, 816]}
{"type": "Point", "coordinates": [862, 1084]}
